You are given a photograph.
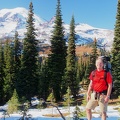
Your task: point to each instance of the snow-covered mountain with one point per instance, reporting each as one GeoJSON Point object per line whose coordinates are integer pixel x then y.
{"type": "Point", "coordinates": [15, 19]}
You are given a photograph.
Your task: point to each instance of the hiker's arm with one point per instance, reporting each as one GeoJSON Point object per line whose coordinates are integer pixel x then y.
{"type": "Point", "coordinates": [89, 90]}
{"type": "Point", "coordinates": [109, 82]}
{"type": "Point", "coordinates": [109, 90]}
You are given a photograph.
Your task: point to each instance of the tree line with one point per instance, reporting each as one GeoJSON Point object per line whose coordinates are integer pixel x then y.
{"type": "Point", "coordinates": [22, 70]}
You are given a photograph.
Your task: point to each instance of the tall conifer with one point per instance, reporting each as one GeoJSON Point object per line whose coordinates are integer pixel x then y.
{"type": "Point", "coordinates": [28, 74]}
{"type": "Point", "coordinates": [17, 57]}
{"type": "Point", "coordinates": [58, 54]}
{"type": "Point", "coordinates": [44, 80]}
{"type": "Point", "coordinates": [93, 56]}
{"type": "Point", "coordinates": [71, 75]}
{"type": "Point", "coordinates": [8, 71]}
{"type": "Point", "coordinates": [116, 52]}
{"type": "Point", "coordinates": [1, 74]}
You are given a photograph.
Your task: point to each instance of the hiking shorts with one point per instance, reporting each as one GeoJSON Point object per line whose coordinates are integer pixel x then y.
{"type": "Point", "coordinates": [92, 103]}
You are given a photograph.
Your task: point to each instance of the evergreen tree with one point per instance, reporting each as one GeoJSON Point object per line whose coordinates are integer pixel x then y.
{"type": "Point", "coordinates": [8, 71]}
{"type": "Point", "coordinates": [51, 97]}
{"type": "Point", "coordinates": [81, 68]}
{"type": "Point", "coordinates": [71, 75]}
{"type": "Point", "coordinates": [116, 52]}
{"type": "Point", "coordinates": [90, 63]}
{"type": "Point", "coordinates": [93, 56]}
{"type": "Point", "coordinates": [43, 85]}
{"type": "Point", "coordinates": [17, 56]}
{"type": "Point", "coordinates": [82, 71]}
{"type": "Point", "coordinates": [1, 74]}
{"type": "Point", "coordinates": [78, 72]}
{"type": "Point", "coordinates": [57, 59]}
{"type": "Point", "coordinates": [13, 103]}
{"type": "Point", "coordinates": [29, 61]}
{"type": "Point", "coordinates": [67, 98]}
{"type": "Point", "coordinates": [87, 70]}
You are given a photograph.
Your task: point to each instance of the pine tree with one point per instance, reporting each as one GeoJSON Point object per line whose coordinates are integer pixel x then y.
{"type": "Point", "coordinates": [87, 70]}
{"type": "Point", "coordinates": [58, 54]}
{"type": "Point", "coordinates": [67, 98]}
{"type": "Point", "coordinates": [8, 71]}
{"type": "Point", "coordinates": [116, 52]}
{"type": "Point", "coordinates": [78, 72]}
{"type": "Point", "coordinates": [17, 57]}
{"type": "Point", "coordinates": [29, 61]}
{"type": "Point", "coordinates": [71, 75]}
{"type": "Point", "coordinates": [13, 103]}
{"type": "Point", "coordinates": [1, 74]}
{"type": "Point", "coordinates": [93, 56]}
{"type": "Point", "coordinates": [81, 68]}
{"type": "Point", "coordinates": [91, 63]}
{"type": "Point", "coordinates": [43, 85]}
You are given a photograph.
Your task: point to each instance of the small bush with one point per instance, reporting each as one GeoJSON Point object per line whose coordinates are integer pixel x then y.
{"type": "Point", "coordinates": [13, 103]}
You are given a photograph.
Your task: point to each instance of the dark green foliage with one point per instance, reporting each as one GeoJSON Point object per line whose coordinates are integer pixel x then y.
{"type": "Point", "coordinates": [90, 65]}
{"type": "Point", "coordinates": [93, 56]}
{"type": "Point", "coordinates": [116, 52]}
{"type": "Point", "coordinates": [17, 57]}
{"type": "Point", "coordinates": [17, 50]}
{"type": "Point", "coordinates": [81, 68]}
{"type": "Point", "coordinates": [57, 59]}
{"type": "Point", "coordinates": [78, 72]}
{"type": "Point", "coordinates": [8, 86]}
{"type": "Point", "coordinates": [28, 79]}
{"type": "Point", "coordinates": [43, 87]}
{"type": "Point", "coordinates": [71, 61]}
{"type": "Point", "coordinates": [1, 74]}
{"type": "Point", "coordinates": [87, 70]}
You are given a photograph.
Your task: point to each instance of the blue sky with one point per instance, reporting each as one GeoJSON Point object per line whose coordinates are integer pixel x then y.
{"type": "Point", "coordinates": [97, 13]}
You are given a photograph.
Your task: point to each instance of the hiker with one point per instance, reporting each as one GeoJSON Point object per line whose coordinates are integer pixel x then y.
{"type": "Point", "coordinates": [98, 92]}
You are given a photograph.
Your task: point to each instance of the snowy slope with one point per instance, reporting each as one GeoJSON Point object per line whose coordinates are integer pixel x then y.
{"type": "Point", "coordinates": [15, 19]}
{"type": "Point", "coordinates": [39, 114]}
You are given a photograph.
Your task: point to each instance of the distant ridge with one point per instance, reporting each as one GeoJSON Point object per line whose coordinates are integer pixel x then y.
{"type": "Point", "coordinates": [12, 20]}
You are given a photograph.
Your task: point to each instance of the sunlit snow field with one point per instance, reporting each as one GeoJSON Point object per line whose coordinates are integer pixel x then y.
{"type": "Point", "coordinates": [38, 114]}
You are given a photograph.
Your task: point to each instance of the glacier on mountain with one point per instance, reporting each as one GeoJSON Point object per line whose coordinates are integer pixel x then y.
{"type": "Point", "coordinates": [12, 20]}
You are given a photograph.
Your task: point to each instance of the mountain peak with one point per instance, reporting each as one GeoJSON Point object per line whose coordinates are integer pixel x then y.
{"type": "Point", "coordinates": [18, 10]}
{"type": "Point", "coordinates": [12, 20]}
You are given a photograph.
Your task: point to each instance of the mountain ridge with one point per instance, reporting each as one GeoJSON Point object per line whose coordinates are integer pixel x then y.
{"type": "Point", "coordinates": [12, 20]}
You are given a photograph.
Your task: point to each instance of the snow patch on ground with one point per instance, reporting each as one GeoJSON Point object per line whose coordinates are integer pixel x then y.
{"type": "Point", "coordinates": [38, 114]}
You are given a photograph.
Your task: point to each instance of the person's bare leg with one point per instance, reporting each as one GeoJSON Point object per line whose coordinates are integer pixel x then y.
{"type": "Point", "coordinates": [103, 116]}
{"type": "Point", "coordinates": [89, 114]}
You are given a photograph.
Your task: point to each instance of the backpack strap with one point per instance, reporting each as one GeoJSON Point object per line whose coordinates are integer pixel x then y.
{"type": "Point", "coordinates": [105, 77]}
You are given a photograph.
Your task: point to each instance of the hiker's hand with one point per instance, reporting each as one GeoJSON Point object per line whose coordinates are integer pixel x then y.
{"type": "Point", "coordinates": [106, 99]}
{"type": "Point", "coordinates": [88, 97]}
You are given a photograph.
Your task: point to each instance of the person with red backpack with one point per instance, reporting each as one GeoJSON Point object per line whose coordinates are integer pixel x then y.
{"type": "Point", "coordinates": [98, 92]}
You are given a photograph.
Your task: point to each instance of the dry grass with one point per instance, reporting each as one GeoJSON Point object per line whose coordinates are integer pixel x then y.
{"type": "Point", "coordinates": [55, 115]}
{"type": "Point", "coordinates": [80, 50]}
